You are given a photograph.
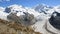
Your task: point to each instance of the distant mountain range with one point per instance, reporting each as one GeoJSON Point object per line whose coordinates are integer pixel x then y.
{"type": "Point", "coordinates": [40, 10]}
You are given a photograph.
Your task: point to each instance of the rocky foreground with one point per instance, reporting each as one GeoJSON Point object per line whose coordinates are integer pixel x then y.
{"type": "Point", "coordinates": [15, 28]}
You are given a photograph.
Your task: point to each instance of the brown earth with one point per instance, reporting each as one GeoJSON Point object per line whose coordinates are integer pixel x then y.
{"type": "Point", "coordinates": [15, 28]}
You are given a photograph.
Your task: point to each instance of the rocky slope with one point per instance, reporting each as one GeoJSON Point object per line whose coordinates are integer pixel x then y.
{"type": "Point", "coordinates": [15, 28]}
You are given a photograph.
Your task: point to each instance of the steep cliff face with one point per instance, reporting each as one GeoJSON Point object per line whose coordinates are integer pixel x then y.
{"type": "Point", "coordinates": [15, 28]}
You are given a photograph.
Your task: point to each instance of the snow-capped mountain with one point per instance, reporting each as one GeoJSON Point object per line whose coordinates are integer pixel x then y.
{"type": "Point", "coordinates": [2, 8]}
{"type": "Point", "coordinates": [14, 8]}
{"type": "Point", "coordinates": [47, 13]}
{"type": "Point", "coordinates": [3, 15]}
{"type": "Point", "coordinates": [20, 9]}
{"type": "Point", "coordinates": [42, 8]}
{"type": "Point", "coordinates": [46, 9]}
{"type": "Point", "coordinates": [41, 12]}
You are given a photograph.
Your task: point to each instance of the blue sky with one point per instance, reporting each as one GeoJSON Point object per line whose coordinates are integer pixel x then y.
{"type": "Point", "coordinates": [29, 3]}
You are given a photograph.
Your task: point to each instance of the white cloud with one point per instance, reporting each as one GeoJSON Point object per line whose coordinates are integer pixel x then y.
{"type": "Point", "coordinates": [7, 0]}
{"type": "Point", "coordinates": [4, 0]}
